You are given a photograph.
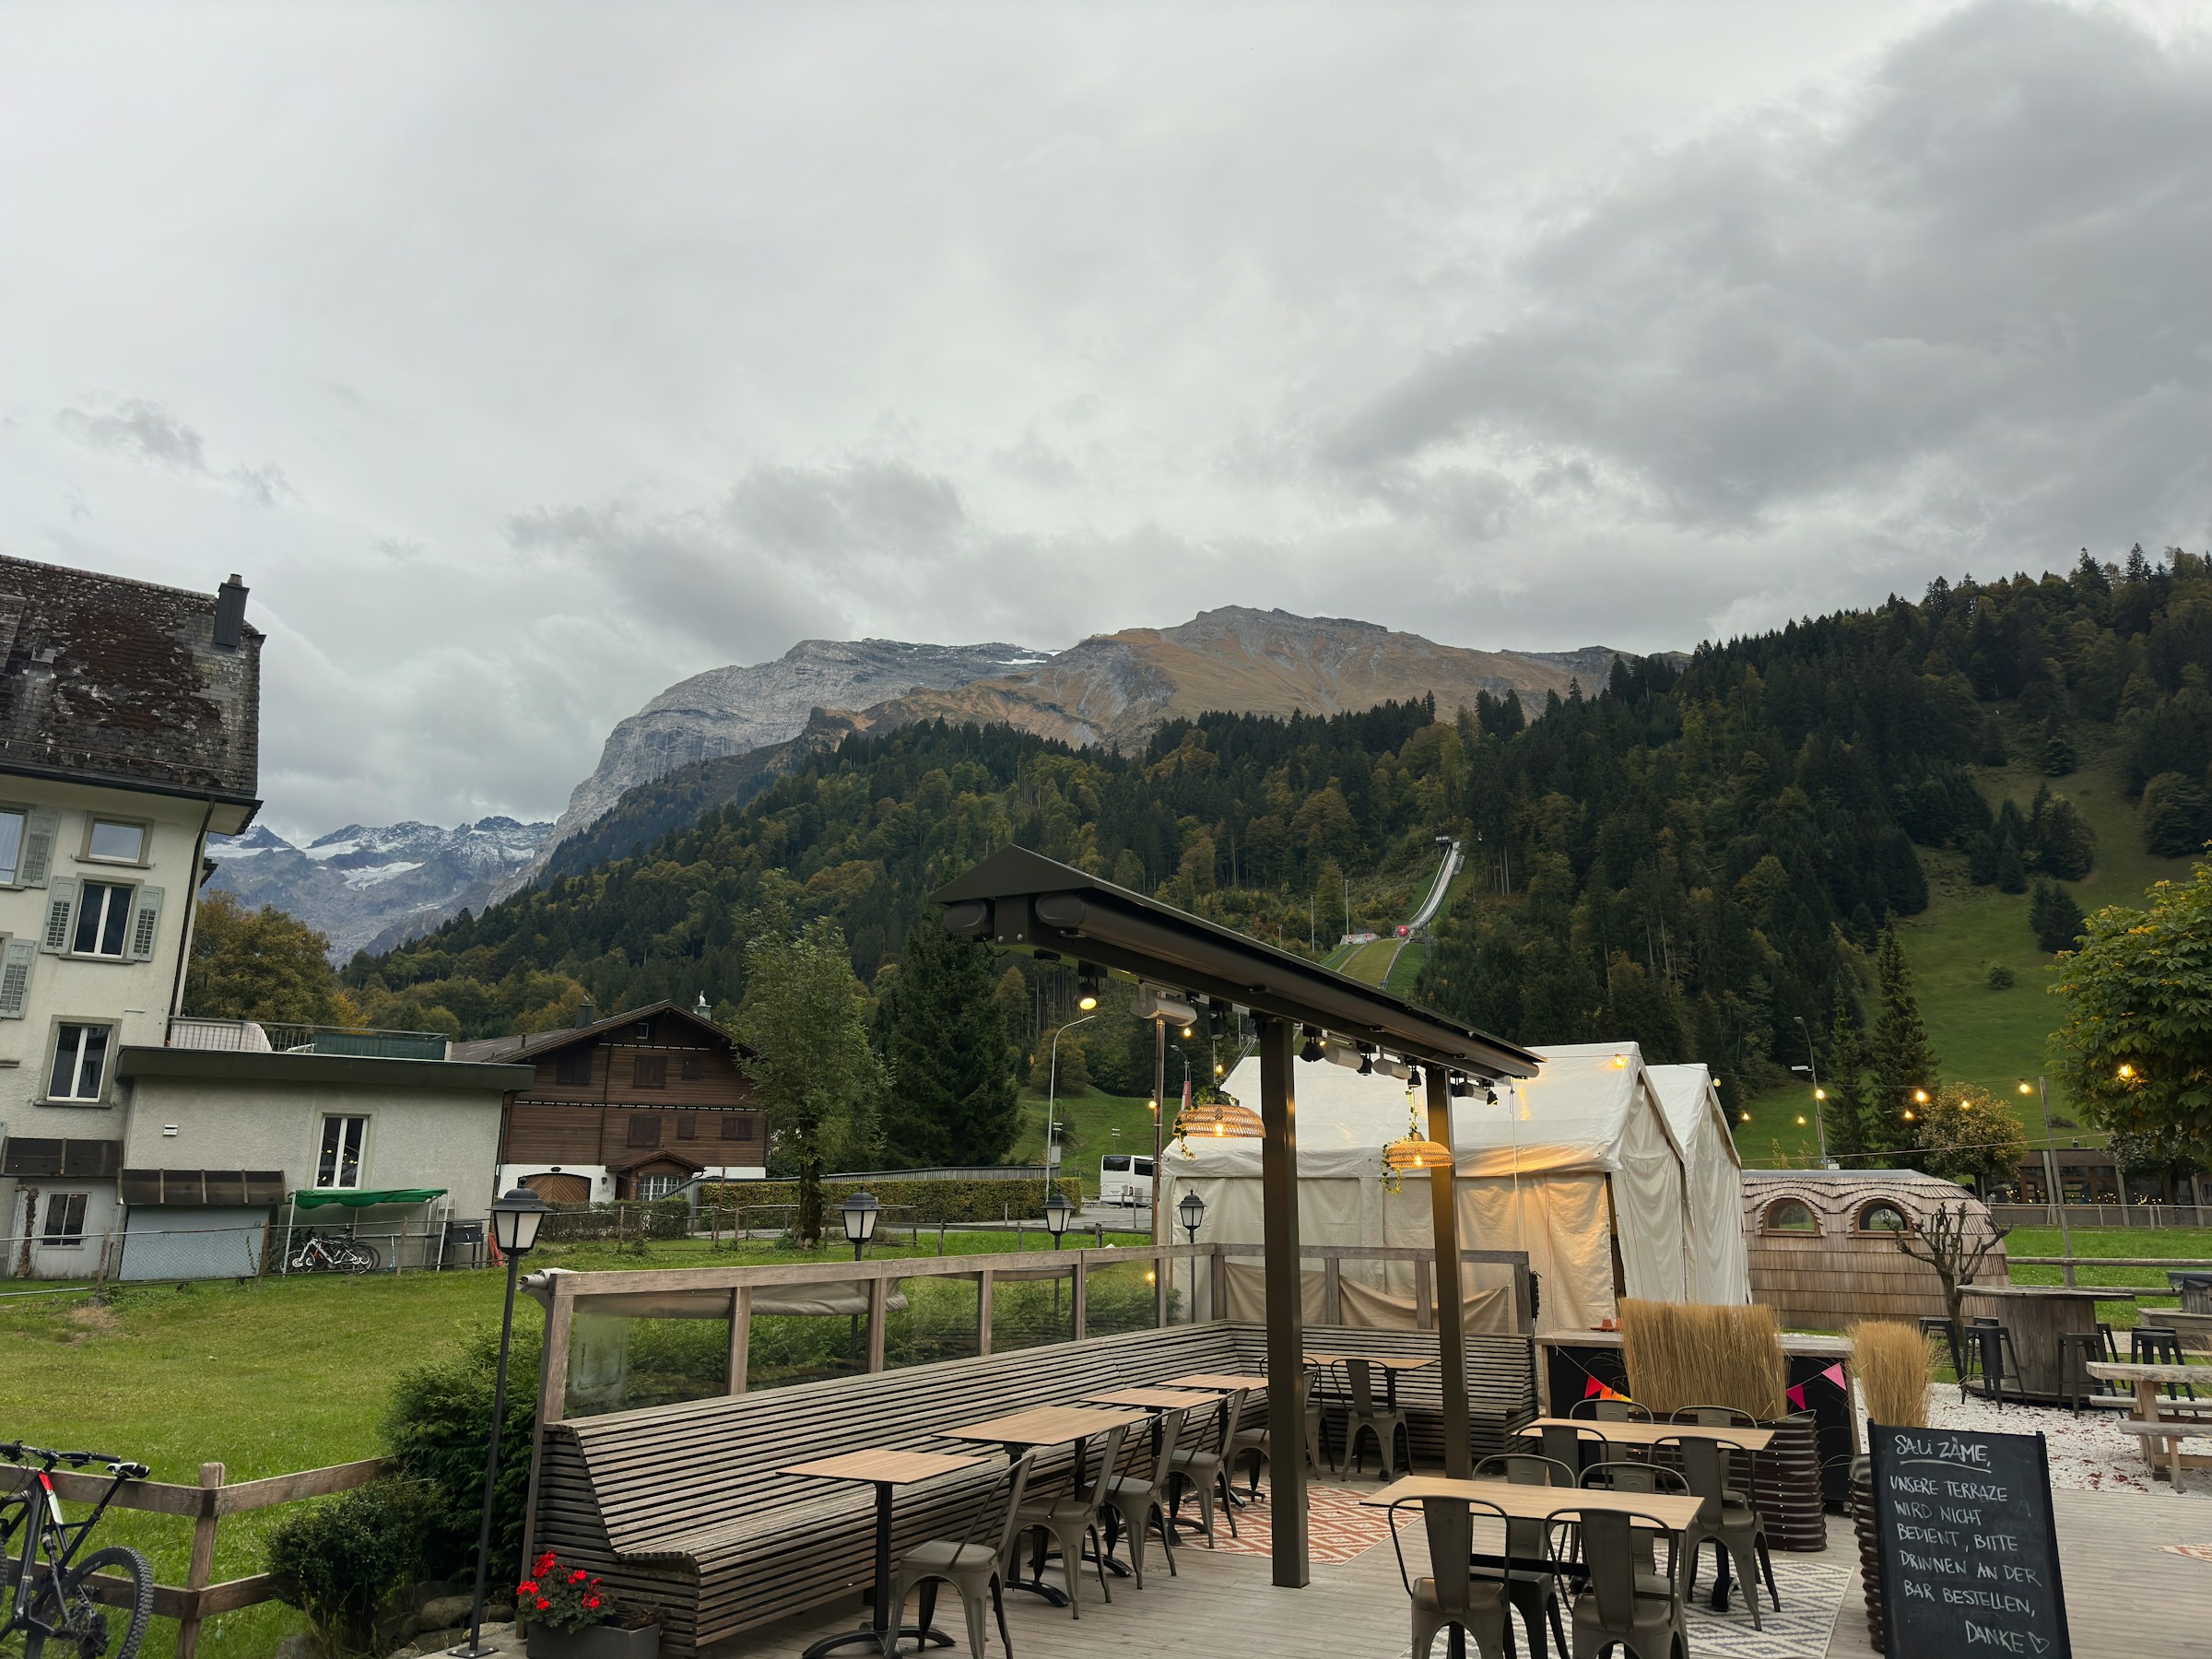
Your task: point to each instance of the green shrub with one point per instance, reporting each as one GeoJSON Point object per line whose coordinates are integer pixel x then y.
{"type": "Point", "coordinates": [2000, 978]}
{"type": "Point", "coordinates": [435, 1433]}
{"type": "Point", "coordinates": [345, 1561]}
{"type": "Point", "coordinates": [927, 1202]}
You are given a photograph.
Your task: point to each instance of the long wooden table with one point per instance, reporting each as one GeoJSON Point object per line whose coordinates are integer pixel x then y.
{"type": "Point", "coordinates": [1537, 1503]}
{"type": "Point", "coordinates": [1615, 1431]}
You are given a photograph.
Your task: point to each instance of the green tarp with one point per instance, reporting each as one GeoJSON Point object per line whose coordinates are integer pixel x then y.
{"type": "Point", "coordinates": [362, 1197]}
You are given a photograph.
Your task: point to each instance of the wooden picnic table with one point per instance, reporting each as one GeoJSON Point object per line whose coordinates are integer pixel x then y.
{"type": "Point", "coordinates": [2146, 1381]}
{"type": "Point", "coordinates": [886, 1469]}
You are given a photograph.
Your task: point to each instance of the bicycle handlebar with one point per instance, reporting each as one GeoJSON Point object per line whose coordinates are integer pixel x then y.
{"type": "Point", "coordinates": [16, 1451]}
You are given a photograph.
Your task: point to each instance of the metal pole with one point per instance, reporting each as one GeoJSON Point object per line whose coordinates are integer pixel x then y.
{"type": "Point", "coordinates": [474, 1648]}
{"type": "Point", "coordinates": [1160, 1116]}
{"type": "Point", "coordinates": [1286, 1323]}
{"type": "Point", "coordinates": [1051, 1095]}
{"type": "Point", "coordinates": [2058, 1197]}
{"type": "Point", "coordinates": [1812, 1066]}
{"type": "Point", "coordinates": [1451, 1306]}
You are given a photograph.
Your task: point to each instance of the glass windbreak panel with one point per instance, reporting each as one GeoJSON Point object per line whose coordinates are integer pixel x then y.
{"type": "Point", "coordinates": [1029, 1312]}
{"type": "Point", "coordinates": [11, 846]}
{"type": "Point", "coordinates": [938, 1322]}
{"type": "Point", "coordinates": [1121, 1299]}
{"type": "Point", "coordinates": [124, 842]}
{"type": "Point", "coordinates": [805, 1348]}
{"type": "Point", "coordinates": [621, 1363]}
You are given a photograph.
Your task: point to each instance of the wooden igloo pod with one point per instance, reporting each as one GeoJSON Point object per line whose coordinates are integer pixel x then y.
{"type": "Point", "coordinates": [1823, 1244]}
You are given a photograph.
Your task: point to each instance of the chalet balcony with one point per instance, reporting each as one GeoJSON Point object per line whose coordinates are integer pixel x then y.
{"type": "Point", "coordinates": [283, 1037]}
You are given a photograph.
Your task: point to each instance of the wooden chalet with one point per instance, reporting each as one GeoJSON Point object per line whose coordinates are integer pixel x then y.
{"type": "Point", "coordinates": [631, 1106]}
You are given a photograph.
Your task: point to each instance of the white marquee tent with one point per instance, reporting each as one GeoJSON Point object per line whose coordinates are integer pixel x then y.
{"type": "Point", "coordinates": [1561, 1165]}
{"type": "Point", "coordinates": [1720, 1263]}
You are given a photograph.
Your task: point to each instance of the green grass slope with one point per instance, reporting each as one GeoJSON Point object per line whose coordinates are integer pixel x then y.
{"type": "Point", "coordinates": [1087, 1124]}
{"type": "Point", "coordinates": [1991, 1038]}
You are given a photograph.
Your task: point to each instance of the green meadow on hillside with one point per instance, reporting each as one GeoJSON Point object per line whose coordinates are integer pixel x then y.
{"type": "Point", "coordinates": [1991, 1037]}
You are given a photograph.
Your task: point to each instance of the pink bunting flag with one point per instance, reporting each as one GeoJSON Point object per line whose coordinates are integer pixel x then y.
{"type": "Point", "coordinates": [1834, 1374]}
{"type": "Point", "coordinates": [1596, 1387]}
{"type": "Point", "coordinates": [1796, 1396]}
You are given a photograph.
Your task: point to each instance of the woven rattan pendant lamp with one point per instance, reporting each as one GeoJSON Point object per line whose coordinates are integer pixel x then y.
{"type": "Point", "coordinates": [1414, 1152]}
{"type": "Point", "coordinates": [1219, 1120]}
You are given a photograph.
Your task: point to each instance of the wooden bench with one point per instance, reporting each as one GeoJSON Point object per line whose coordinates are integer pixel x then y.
{"type": "Point", "coordinates": [2167, 1437]}
{"type": "Point", "coordinates": [682, 1507]}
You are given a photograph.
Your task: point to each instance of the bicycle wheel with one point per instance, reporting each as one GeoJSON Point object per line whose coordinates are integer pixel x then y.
{"type": "Point", "coordinates": [362, 1258]}
{"type": "Point", "coordinates": [95, 1632]}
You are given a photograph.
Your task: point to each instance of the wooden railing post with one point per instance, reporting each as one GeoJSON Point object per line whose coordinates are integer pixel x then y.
{"type": "Point", "coordinates": [741, 1336]}
{"type": "Point", "coordinates": [201, 1570]}
{"type": "Point", "coordinates": [1331, 1290]}
{"type": "Point", "coordinates": [878, 1299]}
{"type": "Point", "coordinates": [1080, 1318]}
{"type": "Point", "coordinates": [1424, 1308]}
{"type": "Point", "coordinates": [983, 1310]}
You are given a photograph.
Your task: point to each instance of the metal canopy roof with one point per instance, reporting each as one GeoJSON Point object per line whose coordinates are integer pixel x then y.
{"type": "Point", "coordinates": [1027, 901]}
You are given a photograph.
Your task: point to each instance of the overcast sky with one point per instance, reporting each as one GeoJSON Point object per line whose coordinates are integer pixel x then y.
{"type": "Point", "coordinates": [525, 359]}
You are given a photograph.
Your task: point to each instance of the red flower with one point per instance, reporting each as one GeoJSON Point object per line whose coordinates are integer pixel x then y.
{"type": "Point", "coordinates": [527, 1587]}
{"type": "Point", "coordinates": [542, 1604]}
{"type": "Point", "coordinates": [591, 1601]}
{"type": "Point", "coordinates": [578, 1576]}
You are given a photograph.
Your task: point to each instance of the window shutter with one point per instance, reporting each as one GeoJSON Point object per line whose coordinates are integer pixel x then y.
{"type": "Point", "coordinates": [41, 831]}
{"type": "Point", "coordinates": [15, 977]}
{"type": "Point", "coordinates": [145, 924]}
{"type": "Point", "coordinates": [61, 912]}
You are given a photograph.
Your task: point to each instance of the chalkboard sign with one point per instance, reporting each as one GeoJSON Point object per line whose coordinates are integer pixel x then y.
{"type": "Point", "coordinates": [1968, 1547]}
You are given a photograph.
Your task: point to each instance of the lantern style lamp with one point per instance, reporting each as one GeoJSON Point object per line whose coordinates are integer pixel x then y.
{"type": "Point", "coordinates": [859, 1212]}
{"type": "Point", "coordinates": [515, 1220]}
{"type": "Point", "coordinates": [1058, 1212]}
{"type": "Point", "coordinates": [1190, 1212]}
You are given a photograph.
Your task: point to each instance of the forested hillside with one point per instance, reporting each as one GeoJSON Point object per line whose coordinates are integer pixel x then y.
{"type": "Point", "coordinates": [1695, 858]}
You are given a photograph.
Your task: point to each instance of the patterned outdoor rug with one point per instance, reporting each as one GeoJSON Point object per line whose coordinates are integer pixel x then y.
{"type": "Point", "coordinates": [1337, 1528]}
{"type": "Point", "coordinates": [2196, 1552]}
{"type": "Point", "coordinates": [1811, 1593]}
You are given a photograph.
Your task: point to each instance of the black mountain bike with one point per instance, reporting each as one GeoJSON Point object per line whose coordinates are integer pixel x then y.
{"type": "Point", "coordinates": [52, 1592]}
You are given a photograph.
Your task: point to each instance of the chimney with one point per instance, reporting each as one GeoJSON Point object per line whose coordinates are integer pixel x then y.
{"type": "Point", "coordinates": [587, 1015]}
{"type": "Point", "coordinates": [229, 613]}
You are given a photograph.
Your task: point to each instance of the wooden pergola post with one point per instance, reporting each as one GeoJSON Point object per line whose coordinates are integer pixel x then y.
{"type": "Point", "coordinates": [1450, 1298]}
{"type": "Point", "coordinates": [1286, 1322]}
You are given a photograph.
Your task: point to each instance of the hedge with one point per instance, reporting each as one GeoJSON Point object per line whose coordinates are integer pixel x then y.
{"type": "Point", "coordinates": [925, 1202]}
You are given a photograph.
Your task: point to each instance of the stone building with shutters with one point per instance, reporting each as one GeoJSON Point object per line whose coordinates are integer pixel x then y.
{"type": "Point", "coordinates": [633, 1106]}
{"type": "Point", "coordinates": [128, 735]}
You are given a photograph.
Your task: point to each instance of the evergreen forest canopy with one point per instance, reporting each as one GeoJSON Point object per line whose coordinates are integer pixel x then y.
{"type": "Point", "coordinates": [1696, 857]}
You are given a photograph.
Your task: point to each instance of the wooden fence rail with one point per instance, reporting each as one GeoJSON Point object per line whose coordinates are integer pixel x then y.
{"type": "Point", "coordinates": [205, 1505]}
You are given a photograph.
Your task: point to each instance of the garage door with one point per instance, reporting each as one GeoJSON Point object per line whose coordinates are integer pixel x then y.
{"type": "Point", "coordinates": [169, 1241]}
{"type": "Point", "coordinates": [559, 1189]}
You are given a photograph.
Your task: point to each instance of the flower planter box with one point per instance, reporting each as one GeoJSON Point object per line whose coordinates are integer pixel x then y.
{"type": "Point", "coordinates": [600, 1642]}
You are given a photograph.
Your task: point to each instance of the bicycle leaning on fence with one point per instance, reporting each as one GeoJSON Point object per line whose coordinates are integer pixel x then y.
{"type": "Point", "coordinates": [327, 1252]}
{"type": "Point", "coordinates": [52, 1595]}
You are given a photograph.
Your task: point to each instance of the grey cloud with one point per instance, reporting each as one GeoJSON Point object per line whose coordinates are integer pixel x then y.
{"type": "Point", "coordinates": [263, 485]}
{"type": "Point", "coordinates": [140, 430]}
{"type": "Point", "coordinates": [1977, 289]}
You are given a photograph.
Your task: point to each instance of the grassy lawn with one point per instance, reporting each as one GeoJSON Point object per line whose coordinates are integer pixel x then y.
{"type": "Point", "coordinates": [1087, 1122]}
{"type": "Point", "coordinates": [1991, 1038]}
{"type": "Point", "coordinates": [2180, 1242]}
{"type": "Point", "coordinates": [270, 1377]}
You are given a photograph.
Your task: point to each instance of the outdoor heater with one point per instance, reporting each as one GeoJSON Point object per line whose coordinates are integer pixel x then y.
{"type": "Point", "coordinates": [515, 1220]}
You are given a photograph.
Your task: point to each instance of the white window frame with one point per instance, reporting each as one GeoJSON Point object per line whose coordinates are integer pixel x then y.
{"type": "Point", "coordinates": [53, 1060]}
{"type": "Point", "coordinates": [48, 1239]}
{"type": "Point", "coordinates": [146, 841]}
{"type": "Point", "coordinates": [664, 1186]}
{"type": "Point", "coordinates": [128, 894]}
{"type": "Point", "coordinates": [22, 814]}
{"type": "Point", "coordinates": [359, 1147]}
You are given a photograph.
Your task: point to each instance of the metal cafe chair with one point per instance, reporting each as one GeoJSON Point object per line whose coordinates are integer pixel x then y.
{"type": "Point", "coordinates": [1613, 1606]}
{"type": "Point", "coordinates": [1453, 1593]}
{"type": "Point", "coordinates": [1204, 1466]}
{"type": "Point", "coordinates": [1367, 1415]}
{"type": "Point", "coordinates": [1626, 1476]}
{"type": "Point", "coordinates": [974, 1567]}
{"type": "Point", "coordinates": [1723, 1517]}
{"type": "Point", "coordinates": [1073, 1518]}
{"type": "Point", "coordinates": [1611, 1411]}
{"type": "Point", "coordinates": [1531, 1588]}
{"type": "Point", "coordinates": [1136, 1499]}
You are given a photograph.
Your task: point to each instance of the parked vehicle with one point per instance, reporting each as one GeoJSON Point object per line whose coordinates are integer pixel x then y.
{"type": "Point", "coordinates": [53, 1592]}
{"type": "Point", "coordinates": [1125, 1178]}
{"type": "Point", "coordinates": [330, 1252]}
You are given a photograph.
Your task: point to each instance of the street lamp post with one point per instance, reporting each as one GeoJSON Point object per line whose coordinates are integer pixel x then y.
{"type": "Point", "coordinates": [1812, 1070]}
{"type": "Point", "coordinates": [859, 1212]}
{"type": "Point", "coordinates": [2052, 1190]}
{"type": "Point", "coordinates": [515, 1220]}
{"type": "Point", "coordinates": [1190, 1212]}
{"type": "Point", "coordinates": [1058, 1212]}
{"type": "Point", "coordinates": [1052, 1096]}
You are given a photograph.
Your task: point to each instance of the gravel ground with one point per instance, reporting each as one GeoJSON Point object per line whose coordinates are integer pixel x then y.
{"type": "Point", "coordinates": [2088, 1453]}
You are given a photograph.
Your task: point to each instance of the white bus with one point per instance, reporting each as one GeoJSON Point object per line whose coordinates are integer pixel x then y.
{"type": "Point", "coordinates": [1125, 1178]}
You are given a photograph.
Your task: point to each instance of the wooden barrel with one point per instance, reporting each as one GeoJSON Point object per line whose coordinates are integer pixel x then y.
{"type": "Point", "coordinates": [1870, 1564]}
{"type": "Point", "coordinates": [1785, 1485]}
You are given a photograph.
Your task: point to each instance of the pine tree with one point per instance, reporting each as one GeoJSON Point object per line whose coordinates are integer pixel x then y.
{"type": "Point", "coordinates": [1845, 1110]}
{"type": "Point", "coordinates": [2054, 916]}
{"type": "Point", "coordinates": [952, 1100]}
{"type": "Point", "coordinates": [1904, 1064]}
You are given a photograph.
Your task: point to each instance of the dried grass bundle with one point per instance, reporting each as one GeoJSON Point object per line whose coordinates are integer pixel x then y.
{"type": "Point", "coordinates": [1894, 1364]}
{"type": "Point", "coordinates": [1683, 1354]}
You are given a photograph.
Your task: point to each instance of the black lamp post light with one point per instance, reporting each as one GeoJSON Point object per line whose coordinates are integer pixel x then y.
{"type": "Point", "coordinates": [859, 1212]}
{"type": "Point", "coordinates": [514, 1223]}
{"type": "Point", "coordinates": [1058, 1212]}
{"type": "Point", "coordinates": [1191, 1213]}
